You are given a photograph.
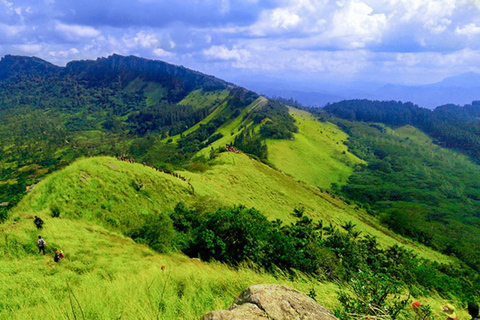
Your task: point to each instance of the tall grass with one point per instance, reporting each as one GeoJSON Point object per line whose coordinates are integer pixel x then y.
{"type": "Point", "coordinates": [107, 276]}
{"type": "Point", "coordinates": [317, 156]}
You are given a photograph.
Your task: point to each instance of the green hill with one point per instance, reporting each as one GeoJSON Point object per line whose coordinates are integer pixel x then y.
{"type": "Point", "coordinates": [127, 277]}
{"type": "Point", "coordinates": [116, 193]}
{"type": "Point", "coordinates": [292, 199]}
{"type": "Point", "coordinates": [317, 155]}
{"type": "Point", "coordinates": [107, 276]}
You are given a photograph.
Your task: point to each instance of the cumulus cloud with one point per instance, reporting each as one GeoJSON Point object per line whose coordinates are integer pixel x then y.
{"type": "Point", "coordinates": [223, 53]}
{"type": "Point", "coordinates": [328, 37]}
{"type": "Point", "coordinates": [468, 30]}
{"type": "Point", "coordinates": [73, 31]}
{"type": "Point", "coordinates": [355, 23]}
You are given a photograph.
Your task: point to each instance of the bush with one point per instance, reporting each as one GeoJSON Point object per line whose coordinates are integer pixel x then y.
{"type": "Point", "coordinates": [157, 231]}
{"type": "Point", "coordinates": [55, 211]}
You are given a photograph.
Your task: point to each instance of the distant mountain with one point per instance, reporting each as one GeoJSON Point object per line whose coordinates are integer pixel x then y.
{"type": "Point", "coordinates": [459, 90]}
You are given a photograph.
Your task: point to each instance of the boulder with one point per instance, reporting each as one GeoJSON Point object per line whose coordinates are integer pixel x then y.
{"type": "Point", "coordinates": [269, 301]}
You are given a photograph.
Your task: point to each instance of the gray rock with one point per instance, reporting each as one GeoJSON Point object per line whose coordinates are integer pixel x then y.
{"type": "Point", "coordinates": [269, 301]}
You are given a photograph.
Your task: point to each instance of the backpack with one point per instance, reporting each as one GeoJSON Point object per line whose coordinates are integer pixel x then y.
{"type": "Point", "coordinates": [41, 242]}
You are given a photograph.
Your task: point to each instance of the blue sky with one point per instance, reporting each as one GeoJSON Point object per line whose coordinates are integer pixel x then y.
{"type": "Point", "coordinates": [396, 41]}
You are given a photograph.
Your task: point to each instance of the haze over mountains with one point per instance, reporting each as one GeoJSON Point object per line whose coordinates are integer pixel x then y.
{"type": "Point", "coordinates": [461, 89]}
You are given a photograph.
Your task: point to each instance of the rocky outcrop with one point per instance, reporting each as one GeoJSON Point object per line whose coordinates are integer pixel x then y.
{"type": "Point", "coordinates": [276, 302]}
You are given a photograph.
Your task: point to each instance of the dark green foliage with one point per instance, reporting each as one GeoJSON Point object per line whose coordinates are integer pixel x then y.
{"type": "Point", "coordinates": [374, 295]}
{"type": "Point", "coordinates": [251, 143]}
{"type": "Point", "coordinates": [157, 231]}
{"type": "Point", "coordinates": [451, 126]}
{"type": "Point", "coordinates": [421, 192]}
{"type": "Point", "coordinates": [278, 123]}
{"type": "Point", "coordinates": [236, 235]}
{"type": "Point", "coordinates": [55, 211]}
{"type": "Point", "coordinates": [239, 98]}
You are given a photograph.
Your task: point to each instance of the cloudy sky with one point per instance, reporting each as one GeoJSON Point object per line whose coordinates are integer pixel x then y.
{"type": "Point", "coordinates": [397, 41]}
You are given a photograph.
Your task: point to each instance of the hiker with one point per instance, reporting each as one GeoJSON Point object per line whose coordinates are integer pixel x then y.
{"type": "Point", "coordinates": [38, 222]}
{"type": "Point", "coordinates": [449, 311]}
{"type": "Point", "coordinates": [473, 311]}
{"type": "Point", "coordinates": [41, 245]}
{"type": "Point", "coordinates": [56, 258]}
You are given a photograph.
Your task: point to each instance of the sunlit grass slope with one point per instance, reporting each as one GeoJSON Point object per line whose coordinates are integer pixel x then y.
{"type": "Point", "coordinates": [114, 193]}
{"type": "Point", "coordinates": [107, 276]}
{"type": "Point", "coordinates": [317, 155]}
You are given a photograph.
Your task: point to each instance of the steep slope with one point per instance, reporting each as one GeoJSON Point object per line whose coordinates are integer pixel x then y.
{"type": "Point", "coordinates": [317, 155]}
{"type": "Point", "coordinates": [127, 277]}
{"type": "Point", "coordinates": [118, 194]}
{"type": "Point", "coordinates": [51, 115]}
{"type": "Point", "coordinates": [107, 276]}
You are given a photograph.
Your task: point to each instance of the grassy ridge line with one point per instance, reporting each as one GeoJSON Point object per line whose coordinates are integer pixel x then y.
{"type": "Point", "coordinates": [317, 156]}
{"type": "Point", "coordinates": [104, 189]}
{"type": "Point", "coordinates": [113, 277]}
{"type": "Point", "coordinates": [218, 109]}
{"type": "Point", "coordinates": [231, 129]}
{"type": "Point", "coordinates": [199, 99]}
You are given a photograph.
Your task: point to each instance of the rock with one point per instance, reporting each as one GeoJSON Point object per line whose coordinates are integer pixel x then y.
{"type": "Point", "coordinates": [269, 301]}
{"type": "Point", "coordinates": [4, 204]}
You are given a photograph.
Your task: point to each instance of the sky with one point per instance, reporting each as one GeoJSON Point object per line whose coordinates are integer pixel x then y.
{"type": "Point", "coordinates": [388, 41]}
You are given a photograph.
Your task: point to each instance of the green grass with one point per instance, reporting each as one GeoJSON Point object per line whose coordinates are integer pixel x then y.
{"type": "Point", "coordinates": [317, 156]}
{"type": "Point", "coordinates": [104, 190]}
{"type": "Point", "coordinates": [200, 100]}
{"type": "Point", "coordinates": [112, 277]}
{"type": "Point", "coordinates": [126, 277]}
{"type": "Point", "coordinates": [232, 128]}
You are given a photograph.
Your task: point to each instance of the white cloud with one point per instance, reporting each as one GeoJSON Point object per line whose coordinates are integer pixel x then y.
{"type": "Point", "coordinates": [301, 16]}
{"type": "Point", "coordinates": [11, 30]}
{"type": "Point", "coordinates": [142, 39]}
{"type": "Point", "coordinates": [73, 31]}
{"type": "Point", "coordinates": [355, 24]}
{"type": "Point", "coordinates": [223, 53]}
{"type": "Point", "coordinates": [64, 53]}
{"type": "Point", "coordinates": [275, 21]}
{"type": "Point", "coordinates": [468, 30]}
{"type": "Point", "coordinates": [161, 53]}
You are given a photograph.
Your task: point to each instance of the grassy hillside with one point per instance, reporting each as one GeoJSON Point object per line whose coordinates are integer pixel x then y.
{"type": "Point", "coordinates": [114, 193]}
{"type": "Point", "coordinates": [127, 277]}
{"type": "Point", "coordinates": [107, 276]}
{"type": "Point", "coordinates": [317, 156]}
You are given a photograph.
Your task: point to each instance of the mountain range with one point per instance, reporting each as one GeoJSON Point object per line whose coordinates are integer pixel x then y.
{"type": "Point", "coordinates": [459, 90]}
{"type": "Point", "coordinates": [171, 191]}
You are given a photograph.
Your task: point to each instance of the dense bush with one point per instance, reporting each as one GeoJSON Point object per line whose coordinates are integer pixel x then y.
{"type": "Point", "coordinates": [157, 231]}
{"type": "Point", "coordinates": [239, 234]}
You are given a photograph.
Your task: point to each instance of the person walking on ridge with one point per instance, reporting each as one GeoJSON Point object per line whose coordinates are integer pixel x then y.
{"type": "Point", "coordinates": [38, 222]}
{"type": "Point", "coordinates": [41, 245]}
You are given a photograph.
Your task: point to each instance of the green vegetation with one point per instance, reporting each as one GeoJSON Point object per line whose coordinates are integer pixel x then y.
{"type": "Point", "coordinates": [107, 276]}
{"type": "Point", "coordinates": [317, 155]}
{"type": "Point", "coordinates": [50, 116]}
{"type": "Point", "coordinates": [451, 126]}
{"type": "Point", "coordinates": [120, 220]}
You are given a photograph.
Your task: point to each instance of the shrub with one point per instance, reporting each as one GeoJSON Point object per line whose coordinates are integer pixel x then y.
{"type": "Point", "coordinates": [157, 231]}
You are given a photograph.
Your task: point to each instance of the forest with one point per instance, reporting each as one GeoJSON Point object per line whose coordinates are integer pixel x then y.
{"type": "Point", "coordinates": [50, 116]}
{"type": "Point", "coordinates": [414, 186]}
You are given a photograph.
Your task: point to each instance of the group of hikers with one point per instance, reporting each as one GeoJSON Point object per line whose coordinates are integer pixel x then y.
{"type": "Point", "coordinates": [176, 175]}
{"type": "Point", "coordinates": [231, 148]}
{"type": "Point", "coordinates": [41, 243]}
{"type": "Point", "coordinates": [449, 311]}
